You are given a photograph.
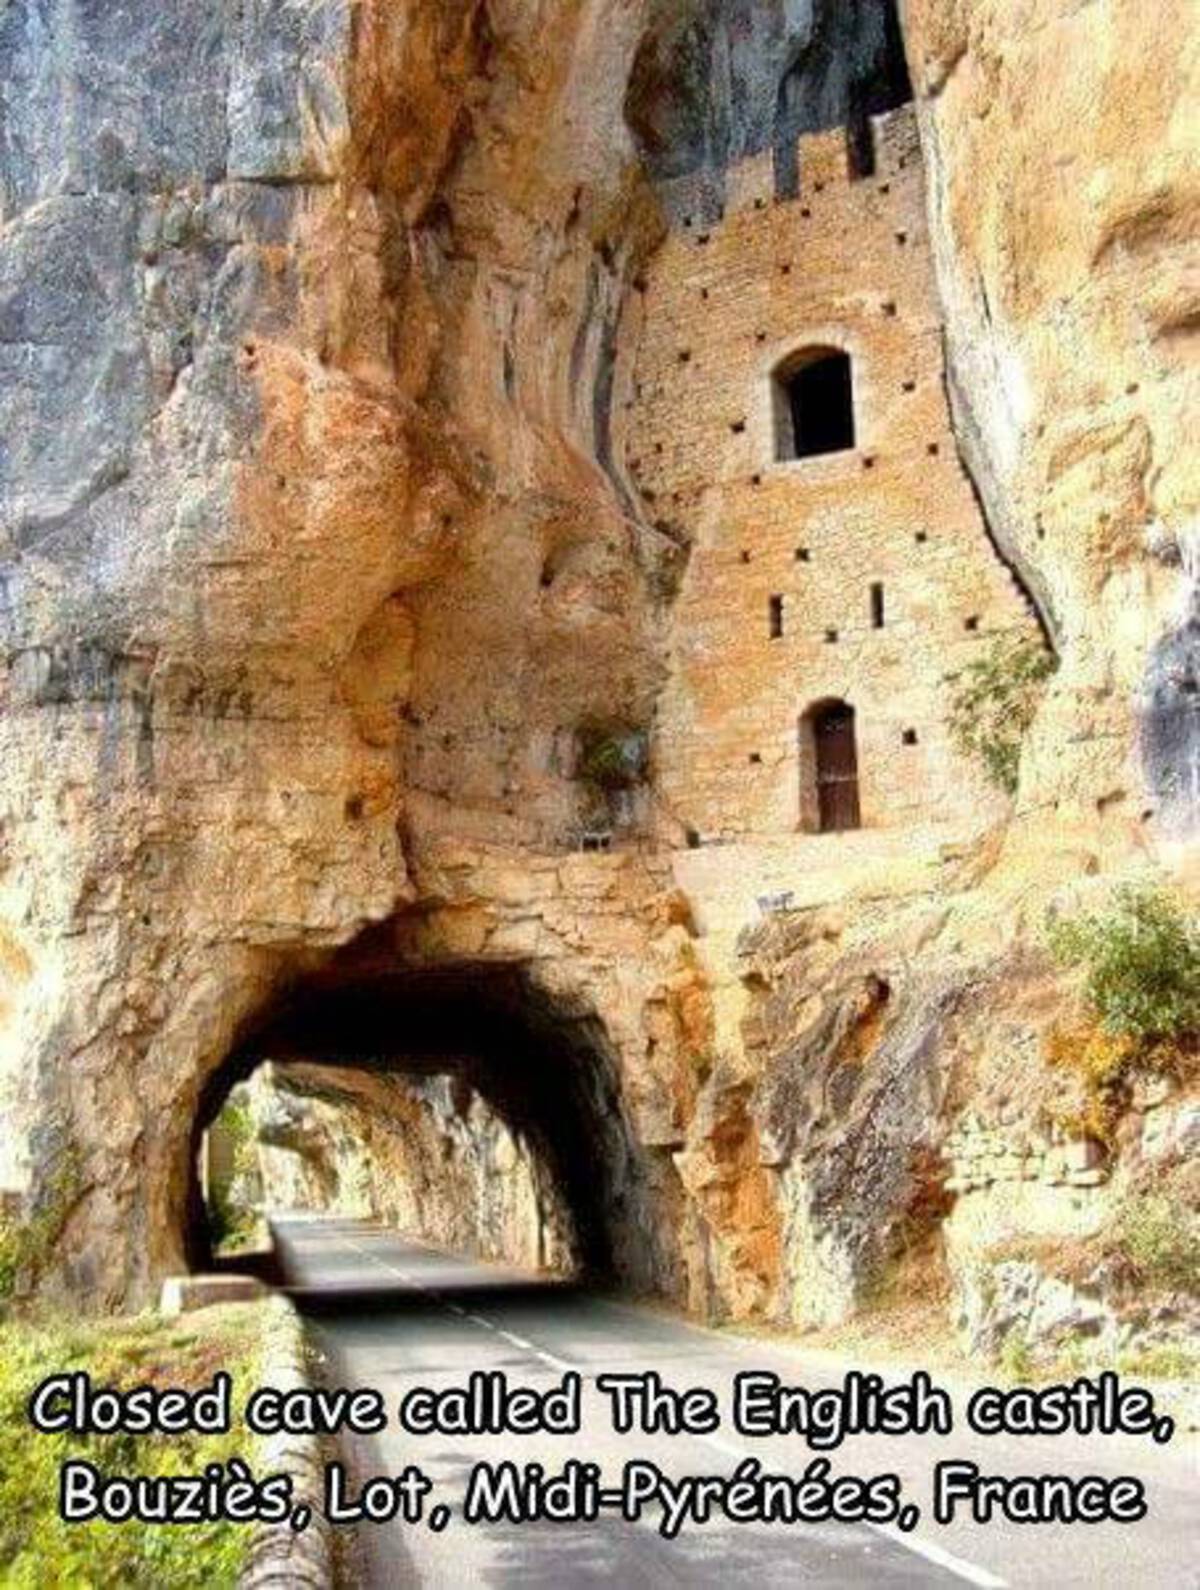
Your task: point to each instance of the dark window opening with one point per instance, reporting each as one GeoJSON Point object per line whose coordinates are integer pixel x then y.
{"type": "Point", "coordinates": [814, 394]}
{"type": "Point", "coordinates": [775, 616]}
{"type": "Point", "coordinates": [860, 138]}
{"type": "Point", "coordinates": [831, 637]}
{"type": "Point", "coordinates": [971, 623]}
{"type": "Point", "coordinates": [803, 555]}
{"type": "Point", "coordinates": [829, 794]}
{"type": "Point", "coordinates": [877, 606]}
{"type": "Point", "coordinates": [910, 737]}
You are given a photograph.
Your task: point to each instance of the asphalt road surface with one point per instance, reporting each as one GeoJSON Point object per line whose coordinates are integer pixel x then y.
{"type": "Point", "coordinates": [394, 1315]}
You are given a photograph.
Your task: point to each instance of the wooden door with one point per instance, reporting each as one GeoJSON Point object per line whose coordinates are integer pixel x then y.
{"type": "Point", "coordinates": [837, 769]}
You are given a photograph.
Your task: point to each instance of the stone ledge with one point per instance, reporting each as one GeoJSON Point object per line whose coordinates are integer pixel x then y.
{"type": "Point", "coordinates": [278, 1557]}
{"type": "Point", "coordinates": [185, 1294]}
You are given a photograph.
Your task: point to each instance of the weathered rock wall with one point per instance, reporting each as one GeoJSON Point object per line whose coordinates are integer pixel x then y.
{"type": "Point", "coordinates": [318, 545]}
{"type": "Point", "coordinates": [1064, 152]}
{"type": "Point", "coordinates": [428, 1157]}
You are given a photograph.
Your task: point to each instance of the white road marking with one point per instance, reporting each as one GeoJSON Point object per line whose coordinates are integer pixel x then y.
{"type": "Point", "coordinates": [969, 1572]}
{"type": "Point", "coordinates": [519, 1342]}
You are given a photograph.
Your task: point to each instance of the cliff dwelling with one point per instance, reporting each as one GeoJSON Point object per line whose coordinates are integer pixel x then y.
{"type": "Point", "coordinates": [805, 450]}
{"type": "Point", "coordinates": [606, 574]}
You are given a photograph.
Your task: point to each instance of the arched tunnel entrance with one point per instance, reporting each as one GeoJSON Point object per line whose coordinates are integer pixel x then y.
{"type": "Point", "coordinates": [544, 1072]}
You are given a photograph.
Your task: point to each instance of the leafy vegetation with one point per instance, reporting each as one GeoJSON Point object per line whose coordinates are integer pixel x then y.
{"type": "Point", "coordinates": [995, 702]}
{"type": "Point", "coordinates": [1161, 1241]}
{"type": "Point", "coordinates": [36, 1548]}
{"type": "Point", "coordinates": [25, 1243]}
{"type": "Point", "coordinates": [1142, 964]}
{"type": "Point", "coordinates": [612, 756]}
{"type": "Point", "coordinates": [233, 1223]}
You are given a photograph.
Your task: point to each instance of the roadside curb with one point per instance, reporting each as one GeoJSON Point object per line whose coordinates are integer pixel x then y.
{"type": "Point", "coordinates": [278, 1556]}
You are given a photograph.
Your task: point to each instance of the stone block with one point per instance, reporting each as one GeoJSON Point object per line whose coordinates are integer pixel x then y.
{"type": "Point", "coordinates": [1085, 1154]}
{"type": "Point", "coordinates": [1088, 1178]}
{"type": "Point", "coordinates": [185, 1294]}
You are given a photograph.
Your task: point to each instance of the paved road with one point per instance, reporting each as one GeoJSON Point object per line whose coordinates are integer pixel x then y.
{"type": "Point", "coordinates": [394, 1315]}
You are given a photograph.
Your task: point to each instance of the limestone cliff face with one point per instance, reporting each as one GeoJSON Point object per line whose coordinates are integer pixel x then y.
{"type": "Point", "coordinates": [327, 588]}
{"type": "Point", "coordinates": [428, 1157]}
{"type": "Point", "coordinates": [1062, 150]}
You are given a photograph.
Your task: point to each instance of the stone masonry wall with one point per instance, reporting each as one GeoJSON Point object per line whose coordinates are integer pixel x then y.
{"type": "Point", "coordinates": [846, 264]}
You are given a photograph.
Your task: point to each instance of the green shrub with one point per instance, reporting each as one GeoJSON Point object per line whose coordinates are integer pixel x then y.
{"type": "Point", "coordinates": [1142, 966]}
{"type": "Point", "coordinates": [995, 702]}
{"type": "Point", "coordinates": [1161, 1241]}
{"type": "Point", "coordinates": [36, 1548]}
{"type": "Point", "coordinates": [612, 756]}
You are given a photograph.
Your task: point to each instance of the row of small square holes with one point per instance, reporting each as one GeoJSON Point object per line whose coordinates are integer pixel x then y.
{"type": "Point", "coordinates": [804, 554]}
{"type": "Point", "coordinates": [761, 204]}
{"type": "Point", "coordinates": [907, 737]}
{"type": "Point", "coordinates": [887, 309]}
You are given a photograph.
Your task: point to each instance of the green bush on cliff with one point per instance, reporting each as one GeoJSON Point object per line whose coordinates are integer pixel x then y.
{"type": "Point", "coordinates": [1162, 1242]}
{"type": "Point", "coordinates": [1141, 960]}
{"type": "Point", "coordinates": [36, 1547]}
{"type": "Point", "coordinates": [995, 701]}
{"type": "Point", "coordinates": [25, 1243]}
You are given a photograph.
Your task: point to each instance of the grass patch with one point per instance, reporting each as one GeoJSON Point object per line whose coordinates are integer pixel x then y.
{"type": "Point", "coordinates": [1161, 1240]}
{"type": "Point", "coordinates": [36, 1548]}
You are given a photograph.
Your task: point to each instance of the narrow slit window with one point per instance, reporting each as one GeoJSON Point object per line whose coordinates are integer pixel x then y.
{"type": "Point", "coordinates": [775, 617]}
{"type": "Point", "coordinates": [877, 614]}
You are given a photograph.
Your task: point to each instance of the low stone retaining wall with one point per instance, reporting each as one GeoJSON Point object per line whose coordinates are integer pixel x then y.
{"type": "Point", "coordinates": [980, 1155]}
{"type": "Point", "coordinates": [279, 1557]}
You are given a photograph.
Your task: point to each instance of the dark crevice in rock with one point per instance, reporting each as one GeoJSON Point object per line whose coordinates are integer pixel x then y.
{"type": "Point", "coordinates": [1170, 726]}
{"type": "Point", "coordinates": [993, 504]}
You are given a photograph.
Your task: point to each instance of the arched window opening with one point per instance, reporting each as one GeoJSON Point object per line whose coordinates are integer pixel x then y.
{"type": "Point", "coordinates": [814, 404]}
{"type": "Point", "coordinates": [829, 798]}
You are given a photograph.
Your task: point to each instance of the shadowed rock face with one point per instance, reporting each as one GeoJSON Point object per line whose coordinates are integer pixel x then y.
{"type": "Point", "coordinates": [1171, 727]}
{"type": "Point", "coordinates": [717, 80]}
{"type": "Point", "coordinates": [318, 543]}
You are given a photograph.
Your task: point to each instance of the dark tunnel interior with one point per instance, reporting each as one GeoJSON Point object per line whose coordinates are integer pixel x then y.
{"type": "Point", "coordinates": [546, 1073]}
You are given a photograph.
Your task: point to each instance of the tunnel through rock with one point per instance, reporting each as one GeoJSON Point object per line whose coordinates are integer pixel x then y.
{"type": "Point", "coordinates": [477, 1060]}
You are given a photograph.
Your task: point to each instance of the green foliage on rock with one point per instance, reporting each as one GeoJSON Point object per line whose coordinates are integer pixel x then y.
{"type": "Point", "coordinates": [233, 1222]}
{"type": "Point", "coordinates": [612, 755]}
{"type": "Point", "coordinates": [36, 1548]}
{"type": "Point", "coordinates": [1162, 1242]}
{"type": "Point", "coordinates": [26, 1243]}
{"type": "Point", "coordinates": [995, 701]}
{"type": "Point", "coordinates": [1141, 960]}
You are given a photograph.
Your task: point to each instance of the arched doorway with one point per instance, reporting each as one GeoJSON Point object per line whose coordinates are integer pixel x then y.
{"type": "Point", "coordinates": [829, 796]}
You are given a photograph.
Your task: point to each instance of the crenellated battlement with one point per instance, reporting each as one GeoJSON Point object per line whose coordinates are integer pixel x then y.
{"type": "Point", "coordinates": [823, 161]}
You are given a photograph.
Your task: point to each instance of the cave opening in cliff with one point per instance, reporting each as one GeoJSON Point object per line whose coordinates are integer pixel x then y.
{"type": "Point", "coordinates": [459, 1106]}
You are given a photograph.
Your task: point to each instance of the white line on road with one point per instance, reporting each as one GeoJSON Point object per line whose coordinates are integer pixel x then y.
{"type": "Point", "coordinates": [475, 1319]}
{"type": "Point", "coordinates": [969, 1572]}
